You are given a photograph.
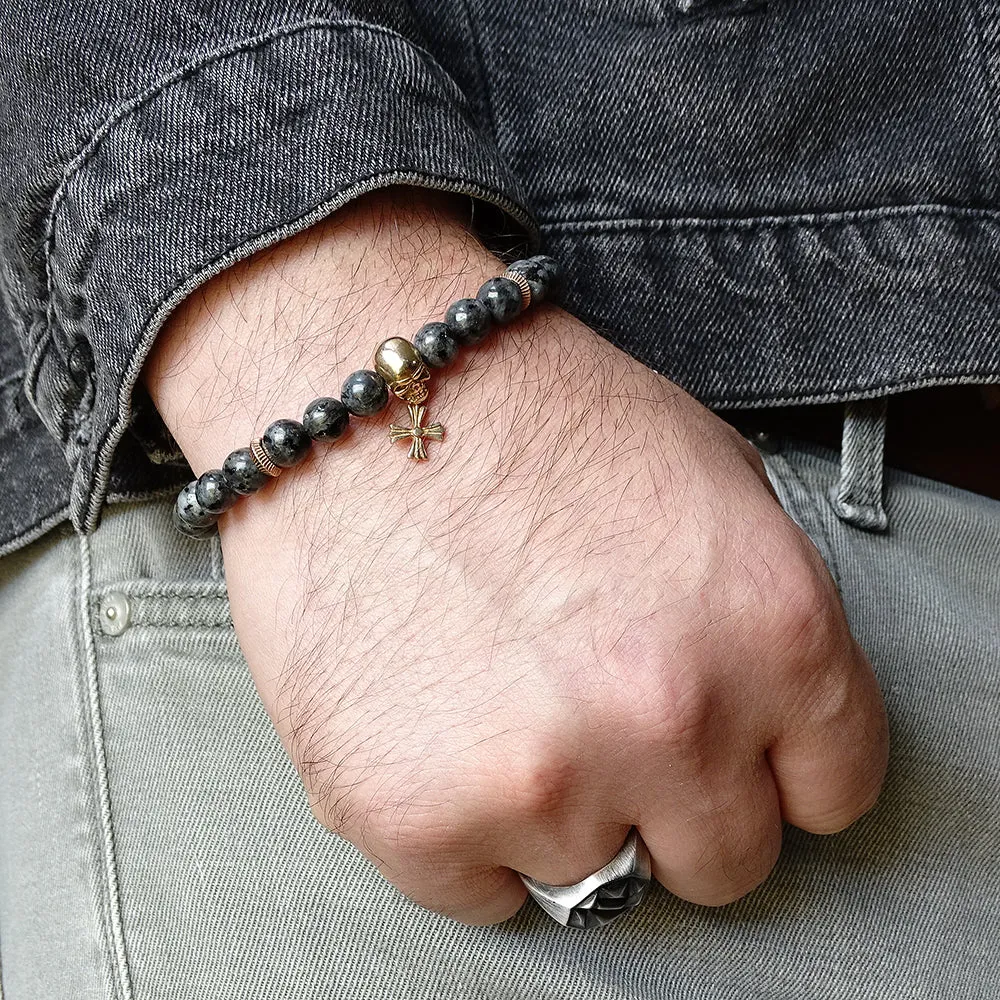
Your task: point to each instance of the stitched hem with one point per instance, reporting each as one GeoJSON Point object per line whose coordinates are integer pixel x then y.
{"type": "Point", "coordinates": [35, 532]}
{"type": "Point", "coordinates": [800, 220]}
{"type": "Point", "coordinates": [86, 153]}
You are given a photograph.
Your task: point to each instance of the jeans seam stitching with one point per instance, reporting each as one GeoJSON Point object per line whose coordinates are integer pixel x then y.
{"type": "Point", "coordinates": [201, 592]}
{"type": "Point", "coordinates": [112, 898]}
{"type": "Point", "coordinates": [175, 626]}
{"type": "Point", "coordinates": [218, 567]}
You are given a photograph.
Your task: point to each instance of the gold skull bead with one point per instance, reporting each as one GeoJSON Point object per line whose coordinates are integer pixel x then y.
{"type": "Point", "coordinates": [404, 371]}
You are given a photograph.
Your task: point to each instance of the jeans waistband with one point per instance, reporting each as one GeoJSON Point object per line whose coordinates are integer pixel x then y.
{"type": "Point", "coordinates": [950, 435]}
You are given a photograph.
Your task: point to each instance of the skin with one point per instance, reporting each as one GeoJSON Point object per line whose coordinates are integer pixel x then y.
{"type": "Point", "coordinates": [586, 611]}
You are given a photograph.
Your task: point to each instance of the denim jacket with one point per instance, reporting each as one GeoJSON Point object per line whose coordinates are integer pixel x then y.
{"type": "Point", "coordinates": [768, 201]}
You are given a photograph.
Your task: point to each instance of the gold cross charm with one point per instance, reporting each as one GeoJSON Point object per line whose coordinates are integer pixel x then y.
{"type": "Point", "coordinates": [416, 432]}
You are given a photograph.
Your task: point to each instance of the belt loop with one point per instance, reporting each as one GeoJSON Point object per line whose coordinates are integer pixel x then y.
{"type": "Point", "coordinates": [858, 498]}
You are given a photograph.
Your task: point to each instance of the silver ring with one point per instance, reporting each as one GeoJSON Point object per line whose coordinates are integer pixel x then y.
{"type": "Point", "coordinates": [616, 889]}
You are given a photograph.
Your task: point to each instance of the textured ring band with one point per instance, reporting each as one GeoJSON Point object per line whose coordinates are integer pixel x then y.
{"type": "Point", "coordinates": [609, 893]}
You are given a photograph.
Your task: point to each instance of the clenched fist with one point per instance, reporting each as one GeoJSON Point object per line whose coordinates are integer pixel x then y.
{"type": "Point", "coordinates": [586, 611]}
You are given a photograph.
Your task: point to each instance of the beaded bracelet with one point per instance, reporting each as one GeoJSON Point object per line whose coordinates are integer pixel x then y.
{"type": "Point", "coordinates": [401, 366]}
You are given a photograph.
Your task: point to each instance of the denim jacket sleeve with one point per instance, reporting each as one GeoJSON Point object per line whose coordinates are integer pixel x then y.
{"type": "Point", "coordinates": [149, 146]}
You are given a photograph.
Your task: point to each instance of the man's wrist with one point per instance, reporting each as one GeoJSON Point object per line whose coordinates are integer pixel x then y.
{"type": "Point", "coordinates": [262, 339]}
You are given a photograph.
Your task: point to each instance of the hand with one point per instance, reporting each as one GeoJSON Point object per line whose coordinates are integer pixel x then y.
{"type": "Point", "coordinates": [585, 611]}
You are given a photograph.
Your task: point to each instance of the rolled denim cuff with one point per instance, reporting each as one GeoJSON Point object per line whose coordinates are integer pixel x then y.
{"type": "Point", "coordinates": [228, 155]}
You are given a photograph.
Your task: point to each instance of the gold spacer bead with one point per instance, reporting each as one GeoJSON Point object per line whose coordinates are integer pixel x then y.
{"type": "Point", "coordinates": [522, 282]}
{"type": "Point", "coordinates": [261, 457]}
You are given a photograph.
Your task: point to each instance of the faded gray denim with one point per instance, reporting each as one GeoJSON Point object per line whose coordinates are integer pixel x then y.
{"type": "Point", "coordinates": [765, 200]}
{"type": "Point", "coordinates": [155, 843]}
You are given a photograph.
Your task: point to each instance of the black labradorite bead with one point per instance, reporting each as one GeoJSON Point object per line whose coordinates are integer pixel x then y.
{"type": "Point", "coordinates": [242, 473]}
{"type": "Point", "coordinates": [469, 320]}
{"type": "Point", "coordinates": [326, 419]}
{"type": "Point", "coordinates": [502, 297]}
{"type": "Point", "coordinates": [435, 344]}
{"type": "Point", "coordinates": [214, 493]}
{"type": "Point", "coordinates": [190, 518]}
{"type": "Point", "coordinates": [542, 274]}
{"type": "Point", "coordinates": [286, 442]}
{"type": "Point", "coordinates": [551, 269]}
{"type": "Point", "coordinates": [533, 274]}
{"type": "Point", "coordinates": [365, 393]}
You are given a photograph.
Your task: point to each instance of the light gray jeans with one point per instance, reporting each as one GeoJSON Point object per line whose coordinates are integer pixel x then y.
{"type": "Point", "coordinates": [155, 842]}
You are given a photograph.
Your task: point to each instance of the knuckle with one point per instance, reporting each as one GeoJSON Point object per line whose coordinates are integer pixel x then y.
{"type": "Point", "coordinates": [683, 708]}
{"type": "Point", "coordinates": [829, 825]}
{"type": "Point", "coordinates": [753, 865]}
{"type": "Point", "coordinates": [662, 703]}
{"type": "Point", "coordinates": [492, 902]}
{"type": "Point", "coordinates": [458, 818]}
{"type": "Point", "coordinates": [426, 838]}
{"type": "Point", "coordinates": [867, 801]}
{"type": "Point", "coordinates": [540, 786]}
{"type": "Point", "coordinates": [840, 696]}
{"type": "Point", "coordinates": [486, 897]}
{"type": "Point", "coordinates": [841, 819]}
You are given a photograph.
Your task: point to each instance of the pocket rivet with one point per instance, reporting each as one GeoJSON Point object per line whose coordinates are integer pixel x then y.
{"type": "Point", "coordinates": [115, 613]}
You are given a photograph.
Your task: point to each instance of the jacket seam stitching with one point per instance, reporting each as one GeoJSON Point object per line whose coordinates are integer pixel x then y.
{"type": "Point", "coordinates": [35, 529]}
{"type": "Point", "coordinates": [139, 496]}
{"type": "Point", "coordinates": [872, 392]}
{"type": "Point", "coordinates": [812, 220]}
